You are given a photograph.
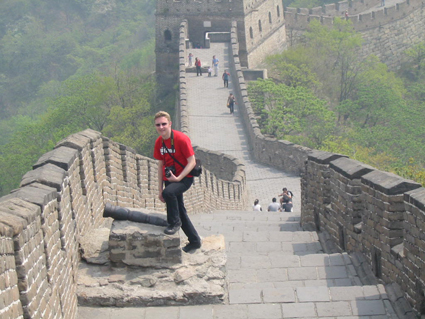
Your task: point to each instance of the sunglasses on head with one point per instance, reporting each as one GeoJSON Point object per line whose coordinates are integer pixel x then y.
{"type": "Point", "coordinates": [161, 124]}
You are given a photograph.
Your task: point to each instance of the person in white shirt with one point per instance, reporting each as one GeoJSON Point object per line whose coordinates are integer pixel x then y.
{"type": "Point", "coordinates": [257, 206]}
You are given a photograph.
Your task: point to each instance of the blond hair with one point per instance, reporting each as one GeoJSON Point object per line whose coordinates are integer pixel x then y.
{"type": "Point", "coordinates": [163, 114]}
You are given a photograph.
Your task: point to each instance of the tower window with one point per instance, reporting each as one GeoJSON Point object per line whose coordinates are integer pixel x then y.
{"type": "Point", "coordinates": [259, 26]}
{"type": "Point", "coordinates": [270, 18]}
{"type": "Point", "coordinates": [251, 34]}
{"type": "Point", "coordinates": [278, 11]}
{"type": "Point", "coordinates": [167, 35]}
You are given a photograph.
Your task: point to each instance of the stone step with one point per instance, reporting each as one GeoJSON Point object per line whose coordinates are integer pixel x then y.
{"type": "Point", "coordinates": [230, 215]}
{"type": "Point", "coordinates": [319, 301]}
{"type": "Point", "coordinates": [257, 231]}
{"type": "Point", "coordinates": [290, 271]}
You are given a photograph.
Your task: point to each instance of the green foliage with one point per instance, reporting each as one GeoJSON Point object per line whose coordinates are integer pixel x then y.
{"type": "Point", "coordinates": [70, 65]}
{"type": "Point", "coordinates": [334, 57]}
{"type": "Point", "coordinates": [50, 40]}
{"type": "Point", "coordinates": [305, 4]}
{"type": "Point", "coordinates": [378, 114]}
{"type": "Point", "coordinates": [293, 68]}
{"type": "Point", "coordinates": [416, 58]}
{"type": "Point", "coordinates": [367, 155]}
{"type": "Point", "coordinates": [293, 112]}
{"type": "Point", "coordinates": [377, 96]}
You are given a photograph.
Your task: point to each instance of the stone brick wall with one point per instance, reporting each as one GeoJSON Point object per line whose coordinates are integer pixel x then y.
{"type": "Point", "coordinates": [387, 31]}
{"type": "Point", "coordinates": [362, 210]}
{"type": "Point", "coordinates": [367, 211]}
{"type": "Point", "coordinates": [226, 175]}
{"type": "Point", "coordinates": [277, 153]}
{"type": "Point", "coordinates": [263, 32]}
{"type": "Point", "coordinates": [63, 198]}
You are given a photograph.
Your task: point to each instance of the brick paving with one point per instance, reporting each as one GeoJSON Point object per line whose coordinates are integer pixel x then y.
{"type": "Point", "coordinates": [274, 269]}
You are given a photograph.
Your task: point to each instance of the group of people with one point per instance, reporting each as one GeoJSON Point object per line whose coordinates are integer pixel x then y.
{"type": "Point", "coordinates": [198, 65]}
{"type": "Point", "coordinates": [284, 205]}
{"type": "Point", "coordinates": [231, 100]}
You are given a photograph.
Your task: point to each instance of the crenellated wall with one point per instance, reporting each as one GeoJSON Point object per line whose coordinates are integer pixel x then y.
{"type": "Point", "coordinates": [367, 211]}
{"type": "Point", "coordinates": [63, 198]}
{"type": "Point", "coordinates": [387, 31]}
{"type": "Point", "coordinates": [362, 210]}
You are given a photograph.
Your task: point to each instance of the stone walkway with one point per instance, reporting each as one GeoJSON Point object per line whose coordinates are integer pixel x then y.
{"type": "Point", "coordinates": [274, 269]}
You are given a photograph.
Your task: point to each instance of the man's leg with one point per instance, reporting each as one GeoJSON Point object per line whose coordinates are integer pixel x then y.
{"type": "Point", "coordinates": [187, 225]}
{"type": "Point", "coordinates": [170, 194]}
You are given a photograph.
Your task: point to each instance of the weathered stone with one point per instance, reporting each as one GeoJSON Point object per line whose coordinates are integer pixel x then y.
{"type": "Point", "coordinates": [49, 174]}
{"type": "Point", "coordinates": [146, 281]}
{"type": "Point", "coordinates": [63, 157]}
{"type": "Point", "coordinates": [94, 246]}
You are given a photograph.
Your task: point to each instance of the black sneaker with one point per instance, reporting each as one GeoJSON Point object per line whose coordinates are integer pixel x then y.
{"type": "Point", "coordinates": [191, 246]}
{"type": "Point", "coordinates": [171, 230]}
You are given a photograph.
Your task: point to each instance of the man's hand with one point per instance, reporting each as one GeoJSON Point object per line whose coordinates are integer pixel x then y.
{"type": "Point", "coordinates": [160, 197]}
{"type": "Point", "coordinates": [173, 178]}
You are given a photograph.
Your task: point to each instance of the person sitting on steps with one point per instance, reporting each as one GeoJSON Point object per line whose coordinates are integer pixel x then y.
{"type": "Point", "coordinates": [286, 200]}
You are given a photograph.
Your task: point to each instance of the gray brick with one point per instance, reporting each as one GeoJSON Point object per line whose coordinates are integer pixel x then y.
{"type": "Point", "coordinates": [196, 312]}
{"type": "Point", "coordinates": [311, 294]}
{"type": "Point", "coordinates": [264, 311]}
{"type": "Point", "coordinates": [298, 310]}
{"type": "Point", "coordinates": [339, 308]}
{"type": "Point", "coordinates": [283, 294]}
{"type": "Point", "coordinates": [368, 307]}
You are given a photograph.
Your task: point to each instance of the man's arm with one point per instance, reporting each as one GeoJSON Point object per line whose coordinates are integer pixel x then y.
{"type": "Point", "coordinates": [191, 162]}
{"type": "Point", "coordinates": [160, 182]}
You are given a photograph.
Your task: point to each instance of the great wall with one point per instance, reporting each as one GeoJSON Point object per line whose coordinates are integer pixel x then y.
{"type": "Point", "coordinates": [358, 209]}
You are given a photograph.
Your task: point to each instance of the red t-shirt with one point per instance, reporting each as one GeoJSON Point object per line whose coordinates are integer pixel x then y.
{"type": "Point", "coordinates": [182, 150]}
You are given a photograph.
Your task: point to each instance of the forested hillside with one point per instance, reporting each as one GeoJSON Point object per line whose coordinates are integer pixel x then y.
{"type": "Point", "coordinates": [324, 96]}
{"type": "Point", "coordinates": [68, 65]}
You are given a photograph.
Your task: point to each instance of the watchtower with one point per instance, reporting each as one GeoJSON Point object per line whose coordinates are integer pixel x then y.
{"type": "Point", "coordinates": [260, 24]}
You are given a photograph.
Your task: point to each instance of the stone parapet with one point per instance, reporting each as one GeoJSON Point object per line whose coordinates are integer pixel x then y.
{"type": "Point", "coordinates": [63, 198]}
{"type": "Point", "coordinates": [277, 153]}
{"type": "Point", "coordinates": [223, 175]}
{"type": "Point", "coordinates": [357, 208]}
{"type": "Point", "coordinates": [370, 212]}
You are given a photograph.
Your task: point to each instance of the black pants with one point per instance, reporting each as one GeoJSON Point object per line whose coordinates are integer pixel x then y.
{"type": "Point", "coordinates": [198, 70]}
{"type": "Point", "coordinates": [226, 83]}
{"type": "Point", "coordinates": [231, 107]}
{"type": "Point", "coordinates": [176, 212]}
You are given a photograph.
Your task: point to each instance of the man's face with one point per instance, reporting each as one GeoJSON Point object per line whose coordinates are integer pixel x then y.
{"type": "Point", "coordinates": [163, 127]}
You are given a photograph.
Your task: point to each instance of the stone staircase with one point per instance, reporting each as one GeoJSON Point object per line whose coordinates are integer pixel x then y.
{"type": "Point", "coordinates": [272, 261]}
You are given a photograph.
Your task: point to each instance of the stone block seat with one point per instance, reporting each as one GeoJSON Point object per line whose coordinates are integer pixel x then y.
{"type": "Point", "coordinates": [143, 245]}
{"type": "Point", "coordinates": [127, 264]}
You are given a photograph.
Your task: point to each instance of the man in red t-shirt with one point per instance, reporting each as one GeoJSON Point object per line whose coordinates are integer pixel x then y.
{"type": "Point", "coordinates": [177, 180]}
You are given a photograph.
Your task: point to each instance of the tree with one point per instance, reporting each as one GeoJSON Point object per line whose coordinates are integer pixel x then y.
{"type": "Point", "coordinates": [333, 51]}
{"type": "Point", "coordinates": [292, 113]}
{"type": "Point", "coordinates": [375, 98]}
{"type": "Point", "coordinates": [293, 68]}
{"type": "Point", "coordinates": [416, 56]}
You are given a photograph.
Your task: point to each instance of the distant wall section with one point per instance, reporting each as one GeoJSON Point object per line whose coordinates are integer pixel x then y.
{"type": "Point", "coordinates": [387, 31]}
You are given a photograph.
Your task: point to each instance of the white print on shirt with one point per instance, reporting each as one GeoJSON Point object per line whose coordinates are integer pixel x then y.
{"type": "Point", "coordinates": [163, 150]}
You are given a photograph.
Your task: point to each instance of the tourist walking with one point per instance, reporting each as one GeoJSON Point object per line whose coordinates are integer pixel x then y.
{"type": "Point", "coordinates": [198, 67]}
{"type": "Point", "coordinates": [225, 78]}
{"type": "Point", "coordinates": [190, 59]}
{"type": "Point", "coordinates": [231, 101]}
